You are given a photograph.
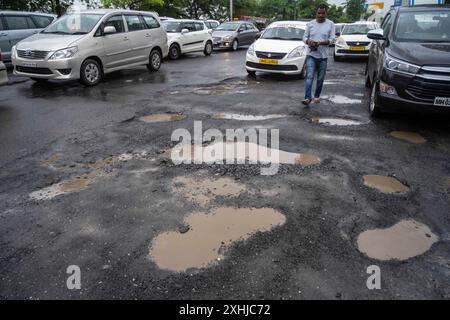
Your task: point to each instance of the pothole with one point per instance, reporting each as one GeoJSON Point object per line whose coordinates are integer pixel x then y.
{"type": "Point", "coordinates": [336, 121]}
{"type": "Point", "coordinates": [203, 191]}
{"type": "Point", "coordinates": [404, 240]}
{"type": "Point", "coordinates": [246, 117]}
{"type": "Point", "coordinates": [163, 117]}
{"type": "Point", "coordinates": [238, 152]}
{"type": "Point", "coordinates": [218, 89]}
{"type": "Point", "coordinates": [339, 99]}
{"type": "Point", "coordinates": [51, 161]}
{"type": "Point", "coordinates": [411, 137]}
{"type": "Point", "coordinates": [385, 184]}
{"type": "Point", "coordinates": [210, 235]}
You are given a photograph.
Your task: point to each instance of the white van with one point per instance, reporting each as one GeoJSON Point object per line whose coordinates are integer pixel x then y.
{"type": "Point", "coordinates": [87, 44]}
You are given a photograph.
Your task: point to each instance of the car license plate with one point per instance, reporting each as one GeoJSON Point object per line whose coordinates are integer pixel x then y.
{"type": "Point", "coordinates": [357, 48]}
{"type": "Point", "coordinates": [268, 61]}
{"type": "Point", "coordinates": [29, 64]}
{"type": "Point", "coordinates": [440, 101]}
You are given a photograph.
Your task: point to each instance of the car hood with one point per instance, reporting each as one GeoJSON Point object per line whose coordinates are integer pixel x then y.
{"type": "Point", "coordinates": [279, 46]}
{"type": "Point", "coordinates": [48, 42]}
{"type": "Point", "coordinates": [420, 53]}
{"type": "Point", "coordinates": [222, 34]}
{"type": "Point", "coordinates": [355, 37]}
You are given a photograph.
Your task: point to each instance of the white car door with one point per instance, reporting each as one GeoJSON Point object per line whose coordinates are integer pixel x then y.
{"type": "Point", "coordinates": [188, 40]}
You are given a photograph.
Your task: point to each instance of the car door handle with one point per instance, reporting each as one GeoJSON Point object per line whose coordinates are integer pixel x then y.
{"type": "Point", "coordinates": [147, 35]}
{"type": "Point", "coordinates": [125, 39]}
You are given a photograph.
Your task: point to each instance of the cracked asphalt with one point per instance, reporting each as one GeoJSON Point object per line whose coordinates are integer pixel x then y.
{"type": "Point", "coordinates": [123, 195]}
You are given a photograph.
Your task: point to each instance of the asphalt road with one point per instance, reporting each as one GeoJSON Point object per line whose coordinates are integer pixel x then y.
{"type": "Point", "coordinates": [129, 195]}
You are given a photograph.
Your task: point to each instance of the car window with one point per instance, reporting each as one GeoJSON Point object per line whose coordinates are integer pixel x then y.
{"type": "Point", "coordinates": [19, 22]}
{"type": "Point", "coordinates": [116, 22]}
{"type": "Point", "coordinates": [199, 26]}
{"type": "Point", "coordinates": [134, 23]}
{"type": "Point", "coordinates": [42, 21]}
{"type": "Point", "coordinates": [250, 27]}
{"type": "Point", "coordinates": [214, 25]}
{"type": "Point", "coordinates": [151, 22]}
{"type": "Point", "coordinates": [242, 27]}
{"type": "Point", "coordinates": [189, 25]}
{"type": "Point", "coordinates": [208, 25]}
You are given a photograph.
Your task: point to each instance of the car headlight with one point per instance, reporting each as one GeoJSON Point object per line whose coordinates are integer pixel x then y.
{"type": "Point", "coordinates": [399, 66]}
{"type": "Point", "coordinates": [227, 38]}
{"type": "Point", "coordinates": [64, 53]}
{"type": "Point", "coordinates": [341, 42]}
{"type": "Point", "coordinates": [297, 52]}
{"type": "Point", "coordinates": [251, 50]}
{"type": "Point", "coordinates": [13, 52]}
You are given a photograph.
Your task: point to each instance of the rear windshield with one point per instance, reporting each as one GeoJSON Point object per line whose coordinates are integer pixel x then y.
{"type": "Point", "coordinates": [426, 26]}
{"type": "Point", "coordinates": [357, 28]}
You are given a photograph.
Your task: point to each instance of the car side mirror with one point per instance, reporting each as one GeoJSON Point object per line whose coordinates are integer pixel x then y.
{"type": "Point", "coordinates": [109, 30]}
{"type": "Point", "coordinates": [185, 31]}
{"type": "Point", "coordinates": [376, 34]}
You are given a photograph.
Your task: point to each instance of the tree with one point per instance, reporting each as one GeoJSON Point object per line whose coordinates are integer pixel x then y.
{"type": "Point", "coordinates": [354, 9]}
{"type": "Point", "coordinates": [57, 7]}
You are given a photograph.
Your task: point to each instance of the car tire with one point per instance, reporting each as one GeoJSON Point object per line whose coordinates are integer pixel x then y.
{"type": "Point", "coordinates": [235, 45]}
{"type": "Point", "coordinates": [208, 48]}
{"type": "Point", "coordinates": [91, 73]}
{"type": "Point", "coordinates": [252, 74]}
{"type": "Point", "coordinates": [335, 57]}
{"type": "Point", "coordinates": [154, 60]}
{"type": "Point", "coordinates": [374, 101]}
{"type": "Point", "coordinates": [39, 80]}
{"type": "Point", "coordinates": [174, 52]}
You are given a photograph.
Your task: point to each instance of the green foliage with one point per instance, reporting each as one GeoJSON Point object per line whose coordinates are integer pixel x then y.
{"type": "Point", "coordinates": [354, 9]}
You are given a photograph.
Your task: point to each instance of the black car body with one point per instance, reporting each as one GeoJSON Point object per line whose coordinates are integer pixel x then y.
{"type": "Point", "coordinates": [409, 61]}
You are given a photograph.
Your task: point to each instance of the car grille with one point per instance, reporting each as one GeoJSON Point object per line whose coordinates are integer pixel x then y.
{"type": "Point", "coordinates": [33, 70]}
{"type": "Point", "coordinates": [32, 54]}
{"type": "Point", "coordinates": [358, 43]}
{"type": "Point", "coordinates": [270, 55]}
{"type": "Point", "coordinates": [429, 83]}
{"type": "Point", "coordinates": [272, 66]}
{"type": "Point", "coordinates": [216, 39]}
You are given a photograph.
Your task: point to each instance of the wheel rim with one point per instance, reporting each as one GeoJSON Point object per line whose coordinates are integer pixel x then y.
{"type": "Point", "coordinates": [372, 98]}
{"type": "Point", "coordinates": [174, 52]}
{"type": "Point", "coordinates": [91, 72]}
{"type": "Point", "coordinates": [156, 61]}
{"type": "Point", "coordinates": [235, 45]}
{"type": "Point", "coordinates": [208, 48]}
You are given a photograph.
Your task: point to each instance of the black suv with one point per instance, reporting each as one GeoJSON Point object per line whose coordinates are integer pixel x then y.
{"type": "Point", "coordinates": [409, 60]}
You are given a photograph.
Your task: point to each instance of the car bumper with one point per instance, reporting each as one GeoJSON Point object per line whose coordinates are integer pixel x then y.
{"type": "Point", "coordinates": [284, 66]}
{"type": "Point", "coordinates": [396, 104]}
{"type": "Point", "coordinates": [3, 74]}
{"type": "Point", "coordinates": [64, 69]}
{"type": "Point", "coordinates": [223, 44]}
{"type": "Point", "coordinates": [340, 51]}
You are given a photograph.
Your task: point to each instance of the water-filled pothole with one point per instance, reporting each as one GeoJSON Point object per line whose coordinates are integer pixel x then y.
{"type": "Point", "coordinates": [336, 121]}
{"type": "Point", "coordinates": [163, 117]}
{"type": "Point", "coordinates": [246, 117]}
{"type": "Point", "coordinates": [404, 240]}
{"type": "Point", "coordinates": [411, 137]}
{"type": "Point", "coordinates": [210, 235]}
{"type": "Point", "coordinates": [385, 184]}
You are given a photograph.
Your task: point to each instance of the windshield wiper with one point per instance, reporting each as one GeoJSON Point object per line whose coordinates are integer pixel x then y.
{"type": "Point", "coordinates": [56, 32]}
{"type": "Point", "coordinates": [275, 38]}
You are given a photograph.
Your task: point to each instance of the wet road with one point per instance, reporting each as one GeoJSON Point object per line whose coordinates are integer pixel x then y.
{"type": "Point", "coordinates": [86, 180]}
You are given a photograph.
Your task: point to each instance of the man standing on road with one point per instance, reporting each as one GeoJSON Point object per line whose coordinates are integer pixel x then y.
{"type": "Point", "coordinates": [318, 35]}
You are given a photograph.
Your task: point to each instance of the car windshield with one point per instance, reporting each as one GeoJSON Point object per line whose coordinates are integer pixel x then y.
{"type": "Point", "coordinates": [283, 33]}
{"type": "Point", "coordinates": [74, 24]}
{"type": "Point", "coordinates": [426, 26]}
{"type": "Point", "coordinates": [171, 26]}
{"type": "Point", "coordinates": [227, 27]}
{"type": "Point", "coordinates": [357, 28]}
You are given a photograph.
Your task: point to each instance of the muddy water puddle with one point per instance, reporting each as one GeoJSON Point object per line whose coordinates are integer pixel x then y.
{"type": "Point", "coordinates": [210, 235]}
{"type": "Point", "coordinates": [219, 89]}
{"type": "Point", "coordinates": [385, 184]}
{"type": "Point", "coordinates": [340, 99]}
{"type": "Point", "coordinates": [163, 117]}
{"type": "Point", "coordinates": [336, 121]}
{"type": "Point", "coordinates": [408, 136]}
{"type": "Point", "coordinates": [51, 161]}
{"type": "Point", "coordinates": [404, 240]}
{"type": "Point", "coordinates": [238, 152]}
{"type": "Point", "coordinates": [246, 117]}
{"type": "Point", "coordinates": [203, 190]}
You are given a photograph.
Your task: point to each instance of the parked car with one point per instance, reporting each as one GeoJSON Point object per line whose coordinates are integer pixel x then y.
{"type": "Point", "coordinates": [353, 41]}
{"type": "Point", "coordinates": [16, 26]}
{"type": "Point", "coordinates": [212, 24]}
{"type": "Point", "coordinates": [409, 61]}
{"type": "Point", "coordinates": [91, 43]}
{"type": "Point", "coordinates": [280, 49]}
{"type": "Point", "coordinates": [184, 36]}
{"type": "Point", "coordinates": [232, 35]}
{"type": "Point", "coordinates": [3, 71]}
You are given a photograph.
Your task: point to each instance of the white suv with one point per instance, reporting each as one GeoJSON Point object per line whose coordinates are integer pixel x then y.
{"type": "Point", "coordinates": [184, 36]}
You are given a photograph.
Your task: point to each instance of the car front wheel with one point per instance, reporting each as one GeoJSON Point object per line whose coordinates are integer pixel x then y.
{"type": "Point", "coordinates": [90, 73]}
{"type": "Point", "coordinates": [252, 74]}
{"type": "Point", "coordinates": [154, 61]}
{"type": "Point", "coordinates": [374, 101]}
{"type": "Point", "coordinates": [174, 52]}
{"type": "Point", "coordinates": [235, 45]}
